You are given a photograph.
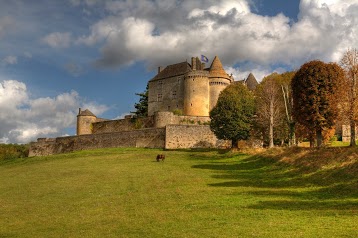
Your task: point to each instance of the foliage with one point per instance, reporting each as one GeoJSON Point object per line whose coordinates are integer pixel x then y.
{"type": "Point", "coordinates": [285, 84]}
{"type": "Point", "coordinates": [315, 91]}
{"type": "Point", "coordinates": [232, 117]}
{"type": "Point", "coordinates": [349, 63]}
{"type": "Point", "coordinates": [142, 106]}
{"type": "Point", "coordinates": [270, 105]}
{"type": "Point", "coordinates": [123, 192]}
{"type": "Point", "coordinates": [178, 112]}
{"type": "Point", "coordinates": [13, 151]}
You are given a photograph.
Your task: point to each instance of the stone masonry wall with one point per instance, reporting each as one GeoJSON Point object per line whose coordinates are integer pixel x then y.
{"type": "Point", "coordinates": [192, 136]}
{"type": "Point", "coordinates": [346, 133]}
{"type": "Point", "coordinates": [150, 138]}
{"type": "Point", "coordinates": [127, 124]}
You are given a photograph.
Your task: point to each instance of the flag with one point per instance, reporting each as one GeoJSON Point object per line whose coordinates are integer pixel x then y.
{"type": "Point", "coordinates": [204, 59]}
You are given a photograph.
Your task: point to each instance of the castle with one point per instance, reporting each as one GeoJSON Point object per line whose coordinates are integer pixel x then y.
{"type": "Point", "coordinates": [188, 88]}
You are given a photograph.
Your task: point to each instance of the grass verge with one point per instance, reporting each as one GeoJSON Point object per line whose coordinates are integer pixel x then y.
{"type": "Point", "coordinates": [208, 193]}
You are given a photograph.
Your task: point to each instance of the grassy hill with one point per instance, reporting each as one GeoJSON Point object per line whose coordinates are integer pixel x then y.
{"type": "Point", "coordinates": [295, 192]}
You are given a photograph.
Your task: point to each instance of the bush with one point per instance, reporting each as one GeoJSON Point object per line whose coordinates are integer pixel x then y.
{"type": "Point", "coordinates": [13, 151]}
{"type": "Point", "coordinates": [178, 112]}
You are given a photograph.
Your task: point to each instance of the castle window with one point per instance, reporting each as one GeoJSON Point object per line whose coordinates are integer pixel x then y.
{"type": "Point", "coordinates": [159, 97]}
{"type": "Point", "coordinates": [174, 94]}
{"type": "Point", "coordinates": [168, 108]}
{"type": "Point", "coordinates": [160, 85]}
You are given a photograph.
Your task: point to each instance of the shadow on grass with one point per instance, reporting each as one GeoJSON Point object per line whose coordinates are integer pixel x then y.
{"type": "Point", "coordinates": [309, 187]}
{"type": "Point", "coordinates": [308, 205]}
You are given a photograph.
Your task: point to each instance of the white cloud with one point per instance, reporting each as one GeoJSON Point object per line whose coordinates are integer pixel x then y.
{"type": "Point", "coordinates": [9, 60]}
{"type": "Point", "coordinates": [58, 39]}
{"type": "Point", "coordinates": [137, 32]}
{"type": "Point", "coordinates": [24, 119]}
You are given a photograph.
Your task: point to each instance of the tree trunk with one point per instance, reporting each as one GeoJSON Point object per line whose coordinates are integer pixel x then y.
{"type": "Point", "coordinates": [292, 135]}
{"type": "Point", "coordinates": [271, 145]}
{"type": "Point", "coordinates": [234, 143]}
{"type": "Point", "coordinates": [353, 112]}
{"type": "Point", "coordinates": [319, 138]}
{"type": "Point", "coordinates": [353, 133]}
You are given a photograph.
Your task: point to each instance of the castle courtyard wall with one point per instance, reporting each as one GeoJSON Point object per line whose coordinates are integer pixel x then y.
{"type": "Point", "coordinates": [192, 136]}
{"type": "Point", "coordinates": [146, 138]}
{"type": "Point", "coordinates": [119, 125]}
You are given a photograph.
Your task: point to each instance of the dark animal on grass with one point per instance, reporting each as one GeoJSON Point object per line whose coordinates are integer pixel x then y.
{"type": "Point", "coordinates": [160, 157]}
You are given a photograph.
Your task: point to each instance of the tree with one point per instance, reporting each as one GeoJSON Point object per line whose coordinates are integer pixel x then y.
{"type": "Point", "coordinates": [142, 106]}
{"type": "Point", "coordinates": [315, 88]}
{"type": "Point", "coordinates": [269, 104]}
{"type": "Point", "coordinates": [231, 118]}
{"type": "Point", "coordinates": [285, 83]}
{"type": "Point", "coordinates": [349, 63]}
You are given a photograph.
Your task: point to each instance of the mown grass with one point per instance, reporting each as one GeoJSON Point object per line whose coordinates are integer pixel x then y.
{"type": "Point", "coordinates": [208, 193]}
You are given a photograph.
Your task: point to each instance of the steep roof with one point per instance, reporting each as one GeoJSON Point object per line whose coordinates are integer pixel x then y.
{"type": "Point", "coordinates": [173, 70]}
{"type": "Point", "coordinates": [251, 82]}
{"type": "Point", "coordinates": [217, 70]}
{"type": "Point", "coordinates": [86, 113]}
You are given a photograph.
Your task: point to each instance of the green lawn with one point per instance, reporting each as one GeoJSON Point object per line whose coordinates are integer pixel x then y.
{"type": "Point", "coordinates": [126, 193]}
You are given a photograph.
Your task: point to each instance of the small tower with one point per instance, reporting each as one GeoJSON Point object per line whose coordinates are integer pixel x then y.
{"type": "Point", "coordinates": [84, 122]}
{"type": "Point", "coordinates": [196, 90]}
{"type": "Point", "coordinates": [251, 82]}
{"type": "Point", "coordinates": [219, 80]}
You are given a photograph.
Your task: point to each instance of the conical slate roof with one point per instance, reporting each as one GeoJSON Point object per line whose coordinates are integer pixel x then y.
{"type": "Point", "coordinates": [251, 82]}
{"type": "Point", "coordinates": [216, 69]}
{"type": "Point", "coordinates": [86, 113]}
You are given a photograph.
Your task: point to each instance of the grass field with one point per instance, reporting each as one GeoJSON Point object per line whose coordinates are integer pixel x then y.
{"type": "Point", "coordinates": [126, 193]}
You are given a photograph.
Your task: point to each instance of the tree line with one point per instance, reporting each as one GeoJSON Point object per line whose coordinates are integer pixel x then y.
{"type": "Point", "coordinates": [290, 107]}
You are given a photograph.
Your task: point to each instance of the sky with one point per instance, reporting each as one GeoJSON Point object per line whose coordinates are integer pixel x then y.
{"type": "Point", "coordinates": [57, 56]}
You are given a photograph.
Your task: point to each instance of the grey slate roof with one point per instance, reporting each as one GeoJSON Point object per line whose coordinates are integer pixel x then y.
{"type": "Point", "coordinates": [86, 113]}
{"type": "Point", "coordinates": [173, 70]}
{"type": "Point", "coordinates": [251, 82]}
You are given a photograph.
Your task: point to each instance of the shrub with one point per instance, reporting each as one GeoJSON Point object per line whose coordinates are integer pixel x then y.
{"type": "Point", "coordinates": [13, 151]}
{"type": "Point", "coordinates": [177, 112]}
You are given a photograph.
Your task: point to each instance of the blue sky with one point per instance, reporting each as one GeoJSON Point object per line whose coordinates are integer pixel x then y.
{"type": "Point", "coordinates": [57, 56]}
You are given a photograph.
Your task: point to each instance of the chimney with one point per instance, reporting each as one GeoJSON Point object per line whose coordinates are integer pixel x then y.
{"type": "Point", "coordinates": [160, 68]}
{"type": "Point", "coordinates": [193, 63]}
{"type": "Point", "coordinates": [79, 111]}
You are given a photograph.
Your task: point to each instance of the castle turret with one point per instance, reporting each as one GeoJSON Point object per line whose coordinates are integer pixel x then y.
{"type": "Point", "coordinates": [196, 90]}
{"type": "Point", "coordinates": [219, 80]}
{"type": "Point", "coordinates": [84, 122]}
{"type": "Point", "coordinates": [251, 82]}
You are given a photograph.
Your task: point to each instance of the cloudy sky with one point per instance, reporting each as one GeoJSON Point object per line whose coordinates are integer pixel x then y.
{"type": "Point", "coordinates": [57, 56]}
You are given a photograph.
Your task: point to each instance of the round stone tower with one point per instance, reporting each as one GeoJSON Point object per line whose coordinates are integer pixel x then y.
{"type": "Point", "coordinates": [218, 80]}
{"type": "Point", "coordinates": [196, 91]}
{"type": "Point", "coordinates": [84, 122]}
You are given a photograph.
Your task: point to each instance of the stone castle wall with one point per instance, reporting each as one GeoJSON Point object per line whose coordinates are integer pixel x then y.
{"type": "Point", "coordinates": [126, 124]}
{"type": "Point", "coordinates": [346, 133]}
{"type": "Point", "coordinates": [169, 137]}
{"type": "Point", "coordinates": [147, 138]}
{"type": "Point", "coordinates": [166, 94]}
{"type": "Point", "coordinates": [192, 136]}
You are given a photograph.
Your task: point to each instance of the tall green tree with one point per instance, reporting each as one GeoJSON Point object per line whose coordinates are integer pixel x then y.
{"type": "Point", "coordinates": [232, 117]}
{"type": "Point", "coordinates": [315, 88]}
{"type": "Point", "coordinates": [142, 106]}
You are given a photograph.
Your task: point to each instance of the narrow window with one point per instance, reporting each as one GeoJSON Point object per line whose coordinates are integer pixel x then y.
{"type": "Point", "coordinates": [159, 97]}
